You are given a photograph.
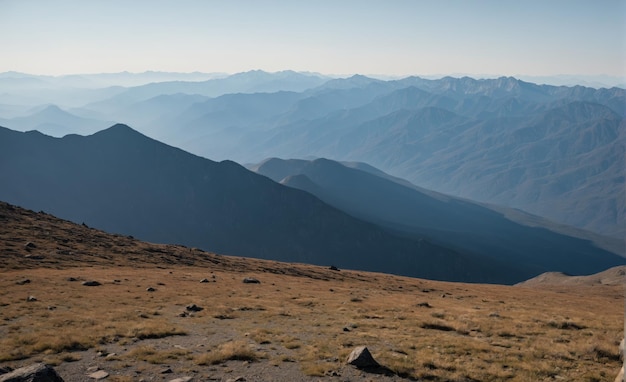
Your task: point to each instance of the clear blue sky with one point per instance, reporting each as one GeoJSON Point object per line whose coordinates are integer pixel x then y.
{"type": "Point", "coordinates": [531, 37]}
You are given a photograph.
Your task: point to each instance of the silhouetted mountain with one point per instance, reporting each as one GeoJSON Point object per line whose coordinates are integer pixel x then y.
{"type": "Point", "coordinates": [450, 222]}
{"type": "Point", "coordinates": [121, 181]}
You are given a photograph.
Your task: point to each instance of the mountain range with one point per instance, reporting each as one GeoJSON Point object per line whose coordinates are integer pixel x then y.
{"type": "Point", "coordinates": [553, 151]}
{"type": "Point", "coordinates": [121, 181]}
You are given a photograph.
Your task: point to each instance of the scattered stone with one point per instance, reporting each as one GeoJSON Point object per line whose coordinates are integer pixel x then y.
{"type": "Point", "coordinates": [30, 245]}
{"type": "Point", "coordinates": [23, 282]}
{"type": "Point", "coordinates": [250, 280]}
{"type": "Point", "coordinates": [72, 279]}
{"type": "Point", "coordinates": [193, 308]}
{"type": "Point", "coordinates": [33, 373]}
{"type": "Point", "coordinates": [91, 369]}
{"type": "Point", "coordinates": [362, 358]}
{"type": "Point", "coordinates": [621, 349]}
{"type": "Point", "coordinates": [31, 298]}
{"type": "Point", "coordinates": [166, 370]}
{"type": "Point", "coordinates": [150, 289]}
{"type": "Point", "coordinates": [181, 379]}
{"type": "Point", "coordinates": [238, 379]}
{"type": "Point", "coordinates": [204, 280]}
{"type": "Point", "coordinates": [110, 355]}
{"type": "Point", "coordinates": [424, 305]}
{"type": "Point", "coordinates": [6, 369]}
{"type": "Point", "coordinates": [333, 268]}
{"type": "Point", "coordinates": [52, 307]}
{"type": "Point", "coordinates": [100, 374]}
{"type": "Point", "coordinates": [91, 283]}
{"type": "Point", "coordinates": [346, 329]}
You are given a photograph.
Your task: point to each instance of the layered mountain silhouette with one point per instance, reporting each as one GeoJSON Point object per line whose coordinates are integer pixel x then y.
{"type": "Point", "coordinates": [120, 181]}
{"type": "Point", "coordinates": [554, 151]}
{"type": "Point", "coordinates": [465, 226]}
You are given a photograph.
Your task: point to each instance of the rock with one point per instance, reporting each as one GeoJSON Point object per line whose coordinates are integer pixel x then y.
{"type": "Point", "coordinates": [193, 308]}
{"type": "Point", "coordinates": [100, 374]}
{"type": "Point", "coordinates": [22, 282]}
{"type": "Point", "coordinates": [91, 283]}
{"type": "Point", "coordinates": [181, 379]}
{"type": "Point", "coordinates": [166, 370]}
{"type": "Point", "coordinates": [333, 268]}
{"type": "Point", "coordinates": [31, 298]}
{"type": "Point", "coordinates": [30, 245]}
{"type": "Point", "coordinates": [621, 349]}
{"type": "Point", "coordinates": [6, 369]}
{"type": "Point", "coordinates": [362, 358]}
{"type": "Point", "coordinates": [150, 289]}
{"type": "Point", "coordinates": [34, 373]}
{"type": "Point", "coordinates": [238, 379]}
{"type": "Point", "coordinates": [204, 280]}
{"type": "Point", "coordinates": [71, 279]}
{"type": "Point", "coordinates": [250, 280]}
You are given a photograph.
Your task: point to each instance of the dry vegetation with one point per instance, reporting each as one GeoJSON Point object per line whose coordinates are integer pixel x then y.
{"type": "Point", "coordinates": [299, 315]}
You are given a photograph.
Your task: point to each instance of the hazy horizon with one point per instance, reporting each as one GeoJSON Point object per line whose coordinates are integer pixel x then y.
{"type": "Point", "coordinates": [392, 39]}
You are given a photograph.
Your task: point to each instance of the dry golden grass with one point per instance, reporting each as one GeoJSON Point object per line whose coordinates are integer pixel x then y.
{"type": "Point", "coordinates": [304, 314]}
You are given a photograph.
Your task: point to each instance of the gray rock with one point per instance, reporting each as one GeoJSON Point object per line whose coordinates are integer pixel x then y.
{"type": "Point", "coordinates": [362, 358]}
{"type": "Point", "coordinates": [150, 289]}
{"type": "Point", "coordinates": [100, 374]}
{"type": "Point", "coordinates": [91, 283]}
{"type": "Point", "coordinates": [33, 373]}
{"type": "Point", "coordinates": [31, 298]}
{"type": "Point", "coordinates": [204, 280]}
{"type": "Point", "coordinates": [22, 282]}
{"type": "Point", "coordinates": [250, 280]}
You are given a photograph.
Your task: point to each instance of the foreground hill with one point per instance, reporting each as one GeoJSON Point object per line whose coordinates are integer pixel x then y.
{"type": "Point", "coordinates": [451, 222]}
{"type": "Point", "coordinates": [167, 312]}
{"type": "Point", "coordinates": [121, 181]}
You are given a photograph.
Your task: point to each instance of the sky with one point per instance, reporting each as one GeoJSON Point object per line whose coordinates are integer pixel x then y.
{"type": "Point", "coordinates": [390, 37]}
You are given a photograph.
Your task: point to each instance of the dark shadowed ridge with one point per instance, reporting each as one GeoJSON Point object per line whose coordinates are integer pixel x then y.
{"type": "Point", "coordinates": [120, 181]}
{"type": "Point", "coordinates": [450, 222]}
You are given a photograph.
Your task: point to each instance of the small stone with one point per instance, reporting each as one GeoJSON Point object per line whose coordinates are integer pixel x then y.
{"type": "Point", "coordinates": [71, 279]}
{"type": "Point", "coordinates": [91, 369]}
{"type": "Point", "coordinates": [181, 379]}
{"type": "Point", "coordinates": [251, 280]}
{"type": "Point", "coordinates": [150, 289]}
{"type": "Point", "coordinates": [22, 282]}
{"type": "Point", "coordinates": [204, 280]}
{"type": "Point", "coordinates": [193, 308]}
{"type": "Point", "coordinates": [333, 268]}
{"type": "Point", "coordinates": [31, 298]}
{"type": "Point", "coordinates": [166, 370]}
{"type": "Point", "coordinates": [346, 329]}
{"type": "Point", "coordinates": [100, 374]}
{"type": "Point", "coordinates": [110, 355]}
{"type": "Point", "coordinates": [30, 245]}
{"type": "Point", "coordinates": [362, 358]}
{"type": "Point", "coordinates": [34, 373]}
{"type": "Point", "coordinates": [91, 283]}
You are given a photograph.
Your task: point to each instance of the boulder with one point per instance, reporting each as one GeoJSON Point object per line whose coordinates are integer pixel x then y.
{"type": "Point", "coordinates": [362, 358]}
{"type": "Point", "coordinates": [33, 373]}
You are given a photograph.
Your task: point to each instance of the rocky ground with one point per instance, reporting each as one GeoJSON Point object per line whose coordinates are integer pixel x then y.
{"type": "Point", "coordinates": [170, 313]}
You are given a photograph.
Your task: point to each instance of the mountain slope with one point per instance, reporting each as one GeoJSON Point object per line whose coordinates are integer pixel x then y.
{"type": "Point", "coordinates": [451, 222]}
{"type": "Point", "coordinates": [121, 181]}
